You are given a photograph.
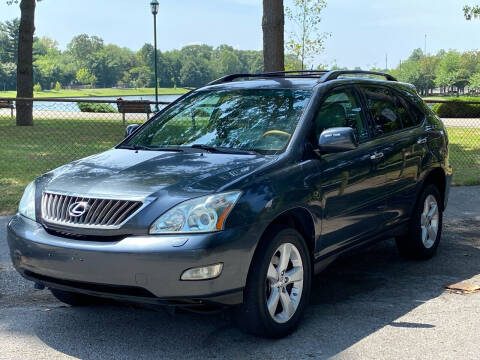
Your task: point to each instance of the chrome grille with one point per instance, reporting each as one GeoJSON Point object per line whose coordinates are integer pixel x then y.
{"type": "Point", "coordinates": [99, 213]}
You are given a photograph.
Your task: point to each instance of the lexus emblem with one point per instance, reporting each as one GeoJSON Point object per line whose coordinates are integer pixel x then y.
{"type": "Point", "coordinates": [78, 209]}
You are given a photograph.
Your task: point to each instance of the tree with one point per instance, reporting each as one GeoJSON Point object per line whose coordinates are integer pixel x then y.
{"type": "Point", "coordinates": [25, 63]}
{"type": "Point", "coordinates": [109, 64]}
{"type": "Point", "coordinates": [8, 79]}
{"type": "Point", "coordinates": [44, 45]}
{"type": "Point", "coordinates": [306, 41]}
{"type": "Point", "coordinates": [227, 62]}
{"type": "Point", "coordinates": [471, 12]}
{"type": "Point", "coordinates": [475, 81]}
{"type": "Point", "coordinates": [292, 62]}
{"type": "Point", "coordinates": [448, 71]}
{"type": "Point", "coordinates": [9, 40]}
{"type": "Point", "coordinates": [141, 76]}
{"type": "Point", "coordinates": [83, 46]}
{"type": "Point", "coordinates": [85, 77]}
{"type": "Point", "coordinates": [273, 24]}
{"type": "Point", "coordinates": [164, 70]}
{"type": "Point", "coordinates": [416, 55]}
{"type": "Point", "coordinates": [195, 72]}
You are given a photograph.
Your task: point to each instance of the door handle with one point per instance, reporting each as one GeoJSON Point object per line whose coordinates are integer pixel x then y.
{"type": "Point", "coordinates": [422, 140]}
{"type": "Point", "coordinates": [376, 156]}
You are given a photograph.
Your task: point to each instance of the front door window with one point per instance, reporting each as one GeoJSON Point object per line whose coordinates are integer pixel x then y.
{"type": "Point", "coordinates": [341, 109]}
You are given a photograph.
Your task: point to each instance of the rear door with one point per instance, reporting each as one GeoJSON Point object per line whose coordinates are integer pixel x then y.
{"type": "Point", "coordinates": [400, 148]}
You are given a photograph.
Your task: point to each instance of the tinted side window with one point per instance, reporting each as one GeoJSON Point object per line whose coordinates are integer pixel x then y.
{"type": "Point", "coordinates": [341, 109]}
{"type": "Point", "coordinates": [415, 105]}
{"type": "Point", "coordinates": [386, 110]}
{"type": "Point", "coordinates": [416, 116]}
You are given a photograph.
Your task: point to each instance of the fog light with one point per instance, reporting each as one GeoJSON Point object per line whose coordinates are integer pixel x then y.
{"type": "Point", "coordinates": [203, 272]}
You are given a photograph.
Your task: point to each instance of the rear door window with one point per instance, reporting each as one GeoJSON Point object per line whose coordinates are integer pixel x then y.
{"type": "Point", "coordinates": [386, 110]}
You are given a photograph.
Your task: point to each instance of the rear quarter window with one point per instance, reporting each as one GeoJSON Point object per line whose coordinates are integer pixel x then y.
{"type": "Point", "coordinates": [416, 106]}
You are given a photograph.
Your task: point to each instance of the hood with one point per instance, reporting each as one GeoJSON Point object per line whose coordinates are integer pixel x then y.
{"type": "Point", "coordinates": [120, 172]}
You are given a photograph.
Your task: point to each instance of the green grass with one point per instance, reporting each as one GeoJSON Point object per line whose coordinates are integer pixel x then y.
{"type": "Point", "coordinates": [465, 155]}
{"type": "Point", "coordinates": [27, 152]}
{"type": "Point", "coordinates": [98, 92]}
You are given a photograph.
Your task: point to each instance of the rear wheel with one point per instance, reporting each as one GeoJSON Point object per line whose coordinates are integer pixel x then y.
{"type": "Point", "coordinates": [278, 285]}
{"type": "Point", "coordinates": [75, 299]}
{"type": "Point", "coordinates": [425, 228]}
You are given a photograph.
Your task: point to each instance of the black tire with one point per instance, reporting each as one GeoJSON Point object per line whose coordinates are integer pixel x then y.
{"type": "Point", "coordinates": [253, 316]}
{"type": "Point", "coordinates": [412, 245]}
{"type": "Point", "coordinates": [75, 299]}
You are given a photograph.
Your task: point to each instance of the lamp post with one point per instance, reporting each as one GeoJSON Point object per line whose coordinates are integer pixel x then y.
{"type": "Point", "coordinates": [154, 7]}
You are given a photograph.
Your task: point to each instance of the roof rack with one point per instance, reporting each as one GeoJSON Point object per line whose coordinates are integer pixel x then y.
{"type": "Point", "coordinates": [335, 74]}
{"type": "Point", "coordinates": [286, 74]}
{"type": "Point", "coordinates": [322, 75]}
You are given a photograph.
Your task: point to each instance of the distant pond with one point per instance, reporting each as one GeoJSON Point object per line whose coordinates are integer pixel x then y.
{"type": "Point", "coordinates": [71, 106]}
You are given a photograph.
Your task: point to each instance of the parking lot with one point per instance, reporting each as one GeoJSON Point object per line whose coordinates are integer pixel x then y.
{"type": "Point", "coordinates": [369, 305]}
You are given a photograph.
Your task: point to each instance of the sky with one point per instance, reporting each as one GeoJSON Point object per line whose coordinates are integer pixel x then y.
{"type": "Point", "coordinates": [362, 31]}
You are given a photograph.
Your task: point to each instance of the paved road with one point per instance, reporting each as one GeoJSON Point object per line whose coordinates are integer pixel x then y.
{"type": "Point", "coordinates": [370, 305]}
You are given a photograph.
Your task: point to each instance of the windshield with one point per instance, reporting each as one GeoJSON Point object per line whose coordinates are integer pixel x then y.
{"type": "Point", "coordinates": [252, 120]}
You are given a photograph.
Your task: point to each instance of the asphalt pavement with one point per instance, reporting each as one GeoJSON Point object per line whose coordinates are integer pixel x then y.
{"type": "Point", "coordinates": [372, 304]}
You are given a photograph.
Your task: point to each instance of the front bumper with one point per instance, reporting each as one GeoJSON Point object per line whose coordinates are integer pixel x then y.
{"type": "Point", "coordinates": [137, 268]}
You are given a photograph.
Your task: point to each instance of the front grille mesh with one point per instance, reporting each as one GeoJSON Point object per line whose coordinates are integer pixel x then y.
{"type": "Point", "coordinates": [99, 213]}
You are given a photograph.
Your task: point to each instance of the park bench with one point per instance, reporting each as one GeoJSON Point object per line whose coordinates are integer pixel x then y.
{"type": "Point", "coordinates": [7, 104]}
{"type": "Point", "coordinates": [134, 107]}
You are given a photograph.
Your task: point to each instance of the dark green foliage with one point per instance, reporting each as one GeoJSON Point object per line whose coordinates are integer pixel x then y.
{"type": "Point", "coordinates": [9, 40]}
{"type": "Point", "coordinates": [191, 66]}
{"type": "Point", "coordinates": [96, 107]}
{"type": "Point", "coordinates": [457, 109]}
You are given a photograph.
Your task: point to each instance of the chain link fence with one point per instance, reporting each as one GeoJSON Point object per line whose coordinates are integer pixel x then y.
{"type": "Point", "coordinates": [462, 119]}
{"type": "Point", "coordinates": [65, 130]}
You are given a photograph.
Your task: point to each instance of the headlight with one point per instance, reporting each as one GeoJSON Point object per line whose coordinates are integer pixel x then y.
{"type": "Point", "coordinates": [27, 204]}
{"type": "Point", "coordinates": [204, 214]}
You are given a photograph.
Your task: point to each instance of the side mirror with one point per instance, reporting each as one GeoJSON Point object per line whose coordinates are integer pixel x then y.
{"type": "Point", "coordinates": [130, 129]}
{"type": "Point", "coordinates": [335, 140]}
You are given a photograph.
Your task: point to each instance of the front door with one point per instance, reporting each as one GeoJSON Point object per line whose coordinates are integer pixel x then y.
{"type": "Point", "coordinates": [352, 207]}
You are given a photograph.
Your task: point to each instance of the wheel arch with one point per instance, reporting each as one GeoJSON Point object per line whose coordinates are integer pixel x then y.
{"type": "Point", "coordinates": [437, 177]}
{"type": "Point", "coordinates": [298, 218]}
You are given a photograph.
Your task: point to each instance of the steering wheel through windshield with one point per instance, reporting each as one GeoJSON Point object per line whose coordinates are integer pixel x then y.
{"type": "Point", "coordinates": [276, 132]}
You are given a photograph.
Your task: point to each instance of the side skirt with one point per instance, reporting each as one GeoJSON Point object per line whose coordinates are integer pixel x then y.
{"type": "Point", "coordinates": [321, 262]}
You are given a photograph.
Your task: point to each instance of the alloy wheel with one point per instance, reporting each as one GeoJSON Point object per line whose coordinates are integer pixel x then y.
{"type": "Point", "coordinates": [429, 221]}
{"type": "Point", "coordinates": [284, 283]}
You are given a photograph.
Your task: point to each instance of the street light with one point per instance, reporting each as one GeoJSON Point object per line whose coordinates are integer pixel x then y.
{"type": "Point", "coordinates": [154, 7]}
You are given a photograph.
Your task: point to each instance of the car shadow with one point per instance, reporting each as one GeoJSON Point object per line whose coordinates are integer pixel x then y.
{"type": "Point", "coordinates": [356, 296]}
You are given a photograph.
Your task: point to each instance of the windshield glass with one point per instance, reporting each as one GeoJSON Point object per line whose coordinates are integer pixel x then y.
{"type": "Point", "coordinates": [253, 120]}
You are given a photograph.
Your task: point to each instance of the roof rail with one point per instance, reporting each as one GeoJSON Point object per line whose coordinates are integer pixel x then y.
{"type": "Point", "coordinates": [335, 74]}
{"type": "Point", "coordinates": [294, 74]}
{"type": "Point", "coordinates": [323, 75]}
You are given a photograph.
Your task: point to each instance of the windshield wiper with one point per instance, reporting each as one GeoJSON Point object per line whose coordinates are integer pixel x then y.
{"type": "Point", "coordinates": [149, 148]}
{"type": "Point", "coordinates": [223, 150]}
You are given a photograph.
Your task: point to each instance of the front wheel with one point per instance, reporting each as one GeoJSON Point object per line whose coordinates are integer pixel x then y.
{"type": "Point", "coordinates": [425, 226]}
{"type": "Point", "coordinates": [278, 285]}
